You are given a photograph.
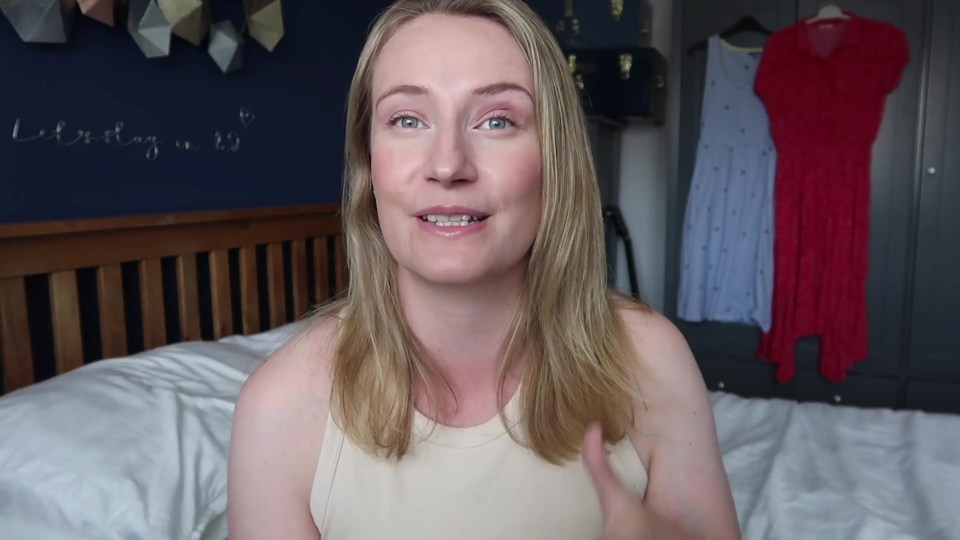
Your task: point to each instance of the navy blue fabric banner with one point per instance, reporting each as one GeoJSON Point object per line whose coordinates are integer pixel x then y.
{"type": "Point", "coordinates": [279, 118]}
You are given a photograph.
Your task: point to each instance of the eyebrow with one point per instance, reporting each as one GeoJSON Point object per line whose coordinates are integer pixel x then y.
{"type": "Point", "coordinates": [409, 89]}
{"type": "Point", "coordinates": [500, 87]}
{"type": "Point", "coordinates": [487, 90]}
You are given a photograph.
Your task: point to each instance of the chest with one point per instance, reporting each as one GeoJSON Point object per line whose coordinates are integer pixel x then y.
{"type": "Point", "coordinates": [492, 491]}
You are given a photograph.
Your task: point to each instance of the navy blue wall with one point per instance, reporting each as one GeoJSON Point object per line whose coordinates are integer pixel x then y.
{"type": "Point", "coordinates": [290, 154]}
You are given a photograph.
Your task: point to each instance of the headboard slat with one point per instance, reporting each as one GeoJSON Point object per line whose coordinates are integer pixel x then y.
{"type": "Point", "coordinates": [188, 298]}
{"type": "Point", "coordinates": [298, 272]}
{"type": "Point", "coordinates": [275, 286]}
{"type": "Point", "coordinates": [65, 310]}
{"type": "Point", "coordinates": [17, 352]}
{"type": "Point", "coordinates": [220, 294]}
{"type": "Point", "coordinates": [113, 328]}
{"type": "Point", "coordinates": [249, 293]}
{"type": "Point", "coordinates": [321, 275]}
{"type": "Point", "coordinates": [49, 261]}
{"type": "Point", "coordinates": [151, 304]}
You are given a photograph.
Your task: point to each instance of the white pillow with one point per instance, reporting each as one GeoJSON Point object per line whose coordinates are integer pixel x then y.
{"type": "Point", "coordinates": [128, 448]}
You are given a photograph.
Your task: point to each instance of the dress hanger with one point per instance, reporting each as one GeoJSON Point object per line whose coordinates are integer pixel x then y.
{"type": "Point", "coordinates": [747, 23]}
{"type": "Point", "coordinates": [828, 11]}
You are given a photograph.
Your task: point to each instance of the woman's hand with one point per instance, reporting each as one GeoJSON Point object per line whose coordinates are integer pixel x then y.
{"type": "Point", "coordinates": [623, 515]}
{"type": "Point", "coordinates": [687, 493]}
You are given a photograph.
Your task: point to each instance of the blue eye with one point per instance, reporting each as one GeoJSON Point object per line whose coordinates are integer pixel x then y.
{"type": "Point", "coordinates": [498, 122]}
{"type": "Point", "coordinates": [407, 122]}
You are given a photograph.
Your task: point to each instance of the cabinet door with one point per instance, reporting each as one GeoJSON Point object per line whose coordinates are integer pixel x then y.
{"type": "Point", "coordinates": [932, 396]}
{"type": "Point", "coordinates": [936, 309]}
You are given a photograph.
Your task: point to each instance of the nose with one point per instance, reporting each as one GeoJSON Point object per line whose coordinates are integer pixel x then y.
{"type": "Point", "coordinates": [451, 159]}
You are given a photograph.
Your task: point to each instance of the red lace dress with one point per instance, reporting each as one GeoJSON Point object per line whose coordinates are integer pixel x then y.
{"type": "Point", "coordinates": [824, 85]}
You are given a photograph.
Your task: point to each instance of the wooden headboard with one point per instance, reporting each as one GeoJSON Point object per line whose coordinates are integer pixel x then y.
{"type": "Point", "coordinates": [108, 287]}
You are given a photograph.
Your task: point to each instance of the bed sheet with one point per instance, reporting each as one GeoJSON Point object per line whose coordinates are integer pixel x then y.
{"type": "Point", "coordinates": [820, 472]}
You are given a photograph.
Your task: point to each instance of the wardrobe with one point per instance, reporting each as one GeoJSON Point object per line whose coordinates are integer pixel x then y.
{"type": "Point", "coordinates": [913, 286]}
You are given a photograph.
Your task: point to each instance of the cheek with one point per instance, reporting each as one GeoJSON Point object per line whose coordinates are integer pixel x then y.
{"type": "Point", "coordinates": [390, 161]}
{"type": "Point", "coordinates": [386, 189]}
{"type": "Point", "coordinates": [389, 175]}
{"type": "Point", "coordinates": [524, 182]}
{"type": "Point", "coordinates": [381, 160]}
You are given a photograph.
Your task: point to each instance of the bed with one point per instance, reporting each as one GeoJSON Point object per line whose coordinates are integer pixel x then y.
{"type": "Point", "coordinates": [118, 427]}
{"type": "Point", "coordinates": [123, 344]}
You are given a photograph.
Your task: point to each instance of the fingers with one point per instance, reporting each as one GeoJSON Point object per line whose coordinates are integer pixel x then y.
{"type": "Point", "coordinates": [595, 459]}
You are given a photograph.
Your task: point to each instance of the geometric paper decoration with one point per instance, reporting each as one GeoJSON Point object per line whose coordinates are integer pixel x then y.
{"type": "Point", "coordinates": [40, 21]}
{"type": "Point", "coordinates": [152, 23]}
{"type": "Point", "coordinates": [105, 11]}
{"type": "Point", "coordinates": [264, 21]}
{"type": "Point", "coordinates": [225, 46]}
{"type": "Point", "coordinates": [190, 19]}
{"type": "Point", "coordinates": [149, 28]}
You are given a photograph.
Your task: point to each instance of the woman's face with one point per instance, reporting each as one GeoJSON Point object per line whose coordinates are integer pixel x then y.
{"type": "Point", "coordinates": [455, 152]}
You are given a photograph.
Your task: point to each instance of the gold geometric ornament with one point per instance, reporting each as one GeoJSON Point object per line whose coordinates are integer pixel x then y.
{"type": "Point", "coordinates": [265, 21]}
{"type": "Point", "coordinates": [189, 19]}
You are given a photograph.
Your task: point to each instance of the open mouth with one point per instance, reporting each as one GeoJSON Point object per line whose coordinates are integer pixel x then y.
{"type": "Point", "coordinates": [452, 220]}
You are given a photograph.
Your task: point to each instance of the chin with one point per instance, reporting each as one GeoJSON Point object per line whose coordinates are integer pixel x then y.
{"type": "Point", "coordinates": [452, 275]}
{"type": "Point", "coordinates": [458, 267]}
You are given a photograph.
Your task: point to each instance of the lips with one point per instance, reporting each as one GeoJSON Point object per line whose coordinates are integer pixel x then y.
{"type": "Point", "coordinates": [452, 221]}
{"type": "Point", "coordinates": [453, 211]}
{"type": "Point", "coordinates": [445, 220]}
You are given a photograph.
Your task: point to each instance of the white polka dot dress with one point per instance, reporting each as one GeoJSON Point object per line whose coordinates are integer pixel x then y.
{"type": "Point", "coordinates": [726, 266]}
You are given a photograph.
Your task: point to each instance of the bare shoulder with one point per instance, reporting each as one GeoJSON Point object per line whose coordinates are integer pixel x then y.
{"type": "Point", "coordinates": [675, 433]}
{"type": "Point", "coordinates": [666, 368]}
{"type": "Point", "coordinates": [278, 426]}
{"type": "Point", "coordinates": [297, 376]}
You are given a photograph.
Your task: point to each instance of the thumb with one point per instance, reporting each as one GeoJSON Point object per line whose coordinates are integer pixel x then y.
{"type": "Point", "coordinates": [606, 483]}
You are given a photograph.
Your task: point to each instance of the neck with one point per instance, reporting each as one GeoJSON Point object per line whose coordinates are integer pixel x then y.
{"type": "Point", "coordinates": [463, 329]}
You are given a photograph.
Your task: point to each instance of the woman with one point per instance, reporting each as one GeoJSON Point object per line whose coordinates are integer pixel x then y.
{"type": "Point", "coordinates": [466, 385]}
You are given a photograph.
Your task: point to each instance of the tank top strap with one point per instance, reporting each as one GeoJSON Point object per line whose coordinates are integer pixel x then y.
{"type": "Point", "coordinates": [330, 451]}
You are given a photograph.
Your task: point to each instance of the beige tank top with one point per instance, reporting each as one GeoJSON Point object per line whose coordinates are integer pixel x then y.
{"type": "Point", "coordinates": [472, 483]}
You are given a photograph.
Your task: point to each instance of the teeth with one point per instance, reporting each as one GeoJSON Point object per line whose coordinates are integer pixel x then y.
{"type": "Point", "coordinates": [457, 220]}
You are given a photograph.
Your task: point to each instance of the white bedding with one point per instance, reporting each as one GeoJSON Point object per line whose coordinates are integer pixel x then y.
{"type": "Point", "coordinates": [135, 449]}
{"type": "Point", "coordinates": [822, 472]}
{"type": "Point", "coordinates": [132, 448]}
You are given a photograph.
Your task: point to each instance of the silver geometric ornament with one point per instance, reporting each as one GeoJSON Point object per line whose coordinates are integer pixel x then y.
{"type": "Point", "coordinates": [149, 28]}
{"type": "Point", "coordinates": [40, 21]}
{"type": "Point", "coordinates": [226, 46]}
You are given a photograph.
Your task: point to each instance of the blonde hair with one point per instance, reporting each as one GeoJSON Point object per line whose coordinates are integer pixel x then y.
{"type": "Point", "coordinates": [579, 358]}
